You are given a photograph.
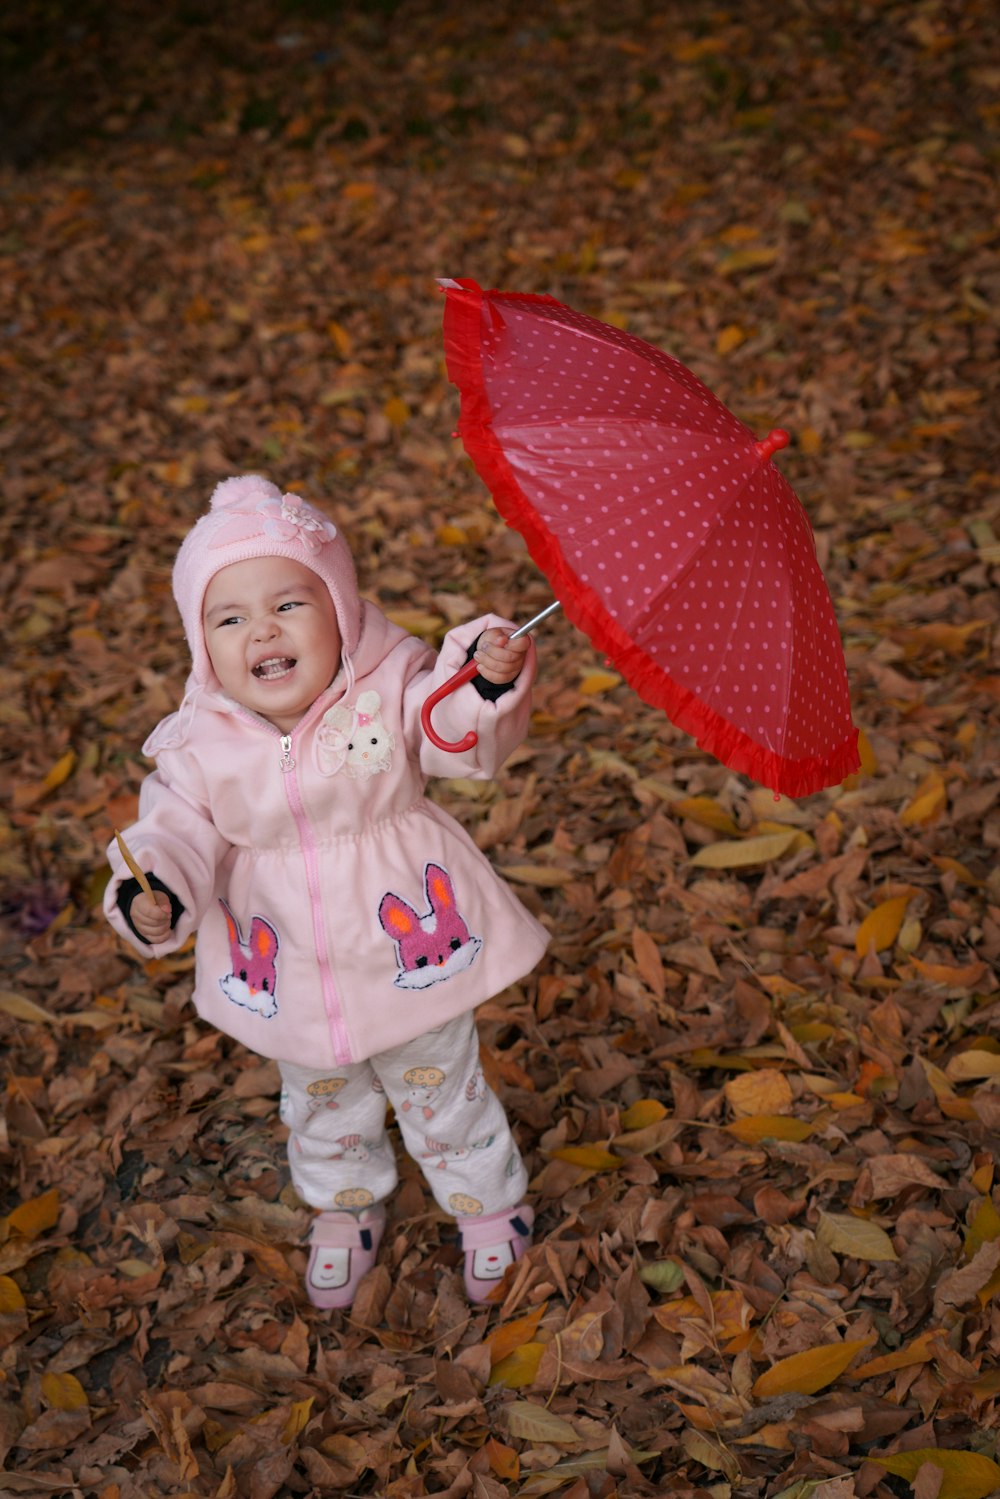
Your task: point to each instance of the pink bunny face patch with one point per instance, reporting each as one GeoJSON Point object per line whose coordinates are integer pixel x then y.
{"type": "Point", "coordinates": [434, 946]}
{"type": "Point", "coordinates": [254, 976]}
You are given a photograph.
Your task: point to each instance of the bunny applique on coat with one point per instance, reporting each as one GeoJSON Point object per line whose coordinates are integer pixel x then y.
{"type": "Point", "coordinates": [434, 946]}
{"type": "Point", "coordinates": [356, 740]}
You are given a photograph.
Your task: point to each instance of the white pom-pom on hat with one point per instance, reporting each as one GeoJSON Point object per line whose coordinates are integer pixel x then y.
{"type": "Point", "coordinates": [232, 492]}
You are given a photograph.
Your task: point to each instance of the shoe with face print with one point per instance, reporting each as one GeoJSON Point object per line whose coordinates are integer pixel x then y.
{"type": "Point", "coordinates": [343, 1248]}
{"type": "Point", "coordinates": [492, 1243]}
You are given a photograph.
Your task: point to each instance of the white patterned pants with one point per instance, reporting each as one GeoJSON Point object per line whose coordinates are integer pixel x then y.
{"type": "Point", "coordinates": [452, 1125]}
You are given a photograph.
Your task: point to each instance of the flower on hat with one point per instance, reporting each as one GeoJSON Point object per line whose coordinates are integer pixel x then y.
{"type": "Point", "coordinates": [287, 518]}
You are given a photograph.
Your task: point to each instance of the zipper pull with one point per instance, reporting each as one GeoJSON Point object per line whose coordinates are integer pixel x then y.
{"type": "Point", "coordinates": [287, 763]}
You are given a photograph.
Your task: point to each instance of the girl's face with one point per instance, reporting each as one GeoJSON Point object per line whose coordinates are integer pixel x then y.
{"type": "Point", "coordinates": [272, 636]}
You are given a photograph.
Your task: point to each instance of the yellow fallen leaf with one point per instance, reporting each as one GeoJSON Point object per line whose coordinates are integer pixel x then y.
{"type": "Point", "coordinates": [973, 1064]}
{"type": "Point", "coordinates": [953, 640]}
{"type": "Point", "coordinates": [135, 1268]}
{"type": "Point", "coordinates": [990, 1289]}
{"type": "Point", "coordinates": [35, 1216]}
{"type": "Point", "coordinates": [844, 1100]}
{"type": "Point", "coordinates": [845, 1234]}
{"type": "Point", "coordinates": [512, 1335]}
{"type": "Point", "coordinates": [948, 1100]}
{"type": "Point", "coordinates": [590, 1157]}
{"type": "Point", "coordinates": [535, 1423]}
{"type": "Point", "coordinates": [982, 1177]}
{"type": "Point", "coordinates": [341, 338]}
{"type": "Point", "coordinates": [967, 1475]}
{"type": "Point", "coordinates": [983, 1228]}
{"type": "Point", "coordinates": [546, 877]}
{"type": "Point", "coordinates": [706, 813]}
{"type": "Point", "coordinates": [738, 261]}
{"type": "Point", "coordinates": [396, 411]}
{"type": "Point", "coordinates": [780, 987]}
{"type": "Point", "coordinates": [746, 852]}
{"type": "Point", "coordinates": [450, 535]}
{"type": "Point", "coordinates": [729, 338]}
{"type": "Point", "coordinates": [416, 621]}
{"type": "Point", "coordinates": [518, 1368]}
{"type": "Point", "coordinates": [64, 1392]}
{"type": "Point", "coordinates": [26, 796]}
{"type": "Point", "coordinates": [11, 1299]}
{"type": "Point", "coordinates": [731, 1313]}
{"type": "Point", "coordinates": [911, 934]}
{"type": "Point", "coordinates": [766, 1091]}
{"type": "Point", "coordinates": [689, 52]}
{"type": "Point", "coordinates": [869, 762]}
{"type": "Point", "coordinates": [919, 1351]}
{"type": "Point", "coordinates": [642, 1114]}
{"type": "Point", "coordinates": [945, 973]}
{"type": "Point", "coordinates": [25, 1009]}
{"type": "Point", "coordinates": [953, 866]}
{"type": "Point", "coordinates": [931, 798]}
{"type": "Point", "coordinates": [800, 841]}
{"type": "Point", "coordinates": [298, 1416]}
{"type": "Point", "coordinates": [599, 681]}
{"type": "Point", "coordinates": [880, 927]}
{"type": "Point", "coordinates": [712, 1453]}
{"type": "Point", "coordinates": [759, 1127]}
{"type": "Point", "coordinates": [811, 1031]}
{"type": "Point", "coordinates": [806, 1373]}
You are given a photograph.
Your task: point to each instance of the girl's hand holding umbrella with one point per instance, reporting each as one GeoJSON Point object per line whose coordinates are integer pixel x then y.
{"type": "Point", "coordinates": [499, 656]}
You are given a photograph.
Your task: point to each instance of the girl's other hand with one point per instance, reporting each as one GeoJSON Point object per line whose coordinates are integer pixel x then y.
{"type": "Point", "coordinates": [498, 658]}
{"type": "Point", "coordinates": [151, 918]}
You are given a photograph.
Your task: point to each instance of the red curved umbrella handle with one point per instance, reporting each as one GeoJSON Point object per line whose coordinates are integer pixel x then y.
{"type": "Point", "coordinates": [466, 674]}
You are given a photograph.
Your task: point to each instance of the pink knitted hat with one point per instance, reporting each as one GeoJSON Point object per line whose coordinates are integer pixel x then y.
{"type": "Point", "coordinates": [250, 517]}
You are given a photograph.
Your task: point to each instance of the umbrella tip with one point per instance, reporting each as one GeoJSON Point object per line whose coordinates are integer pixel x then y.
{"type": "Point", "coordinates": [775, 439]}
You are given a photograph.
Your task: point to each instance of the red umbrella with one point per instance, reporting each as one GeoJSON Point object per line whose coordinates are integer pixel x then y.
{"type": "Point", "coordinates": [665, 530]}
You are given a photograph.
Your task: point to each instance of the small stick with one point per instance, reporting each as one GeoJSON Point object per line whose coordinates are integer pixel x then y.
{"type": "Point", "coordinates": [123, 849]}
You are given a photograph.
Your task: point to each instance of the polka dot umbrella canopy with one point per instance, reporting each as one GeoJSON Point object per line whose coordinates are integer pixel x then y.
{"type": "Point", "coordinates": [665, 530]}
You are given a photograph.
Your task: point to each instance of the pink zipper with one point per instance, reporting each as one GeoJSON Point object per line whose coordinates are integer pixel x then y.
{"type": "Point", "coordinates": [334, 1013]}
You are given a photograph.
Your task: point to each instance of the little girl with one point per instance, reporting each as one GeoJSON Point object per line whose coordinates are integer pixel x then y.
{"type": "Point", "coordinates": [346, 925]}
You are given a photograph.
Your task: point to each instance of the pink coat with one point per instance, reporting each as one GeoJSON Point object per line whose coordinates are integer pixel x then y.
{"type": "Point", "coordinates": [339, 912]}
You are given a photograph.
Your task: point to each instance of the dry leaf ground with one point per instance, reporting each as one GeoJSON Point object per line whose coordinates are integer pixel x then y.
{"type": "Point", "coordinates": [760, 1100]}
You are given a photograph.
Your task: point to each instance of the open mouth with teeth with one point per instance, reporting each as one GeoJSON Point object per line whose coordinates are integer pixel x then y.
{"type": "Point", "coordinates": [273, 669]}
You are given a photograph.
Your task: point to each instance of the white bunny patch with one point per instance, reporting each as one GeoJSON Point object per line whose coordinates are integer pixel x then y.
{"type": "Point", "coordinates": [355, 740]}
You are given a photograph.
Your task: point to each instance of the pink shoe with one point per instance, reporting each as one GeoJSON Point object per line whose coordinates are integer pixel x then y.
{"type": "Point", "coordinates": [491, 1244]}
{"type": "Point", "coordinates": [343, 1249]}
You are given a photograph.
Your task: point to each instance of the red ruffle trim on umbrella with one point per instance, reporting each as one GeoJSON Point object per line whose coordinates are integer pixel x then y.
{"type": "Point", "coordinates": [582, 606]}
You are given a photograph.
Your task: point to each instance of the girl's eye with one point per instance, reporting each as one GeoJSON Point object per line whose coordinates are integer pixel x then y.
{"type": "Point", "coordinates": [291, 604]}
